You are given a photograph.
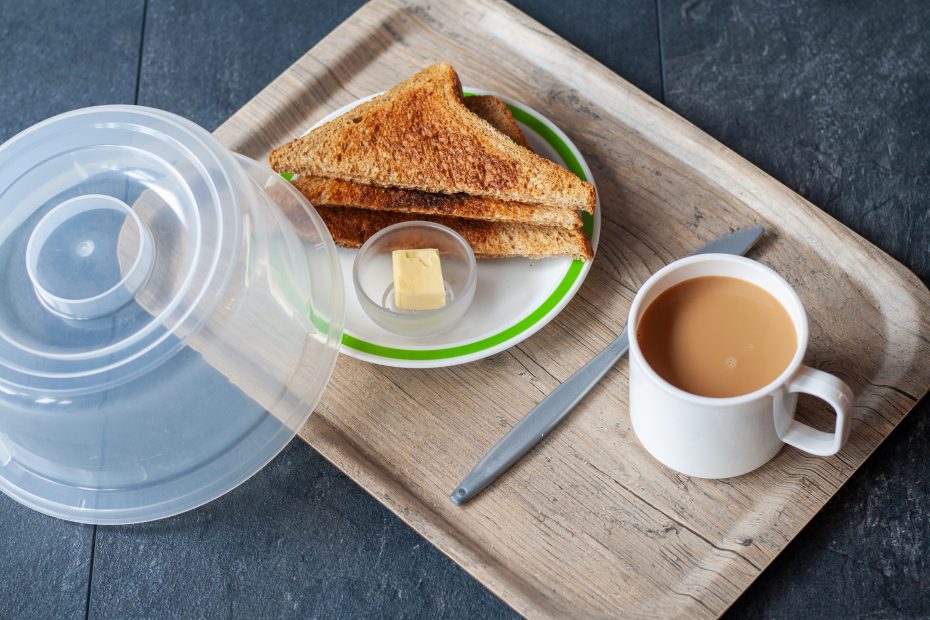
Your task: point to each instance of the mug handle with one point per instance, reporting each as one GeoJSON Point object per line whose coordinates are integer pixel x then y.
{"type": "Point", "coordinates": [837, 394]}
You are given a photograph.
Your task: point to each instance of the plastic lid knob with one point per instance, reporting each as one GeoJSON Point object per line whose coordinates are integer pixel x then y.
{"type": "Point", "coordinates": [81, 269]}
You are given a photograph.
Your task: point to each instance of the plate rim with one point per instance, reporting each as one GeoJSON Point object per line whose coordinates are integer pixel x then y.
{"type": "Point", "coordinates": [529, 323]}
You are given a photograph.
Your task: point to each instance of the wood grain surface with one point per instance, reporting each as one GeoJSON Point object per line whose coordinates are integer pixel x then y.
{"type": "Point", "coordinates": [588, 524]}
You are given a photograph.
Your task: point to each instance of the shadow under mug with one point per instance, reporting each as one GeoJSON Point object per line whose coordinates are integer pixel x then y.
{"type": "Point", "coordinates": [724, 437]}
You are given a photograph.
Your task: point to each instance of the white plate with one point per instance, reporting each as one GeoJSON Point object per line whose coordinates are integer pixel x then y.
{"type": "Point", "coordinates": [515, 297]}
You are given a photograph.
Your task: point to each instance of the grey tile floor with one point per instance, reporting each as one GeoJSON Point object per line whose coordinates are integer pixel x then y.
{"type": "Point", "coordinates": [828, 97]}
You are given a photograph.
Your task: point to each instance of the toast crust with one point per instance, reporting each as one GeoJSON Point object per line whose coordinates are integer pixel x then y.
{"type": "Point", "coordinates": [420, 135]}
{"type": "Point", "coordinates": [321, 191]}
{"type": "Point", "coordinates": [352, 227]}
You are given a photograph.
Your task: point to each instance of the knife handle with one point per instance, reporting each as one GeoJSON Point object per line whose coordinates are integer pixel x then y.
{"type": "Point", "coordinates": [539, 421]}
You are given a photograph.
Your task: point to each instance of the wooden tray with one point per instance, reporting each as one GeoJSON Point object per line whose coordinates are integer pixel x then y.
{"type": "Point", "coordinates": [588, 524]}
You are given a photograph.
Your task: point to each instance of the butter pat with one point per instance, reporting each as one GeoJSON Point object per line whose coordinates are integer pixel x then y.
{"type": "Point", "coordinates": [418, 281]}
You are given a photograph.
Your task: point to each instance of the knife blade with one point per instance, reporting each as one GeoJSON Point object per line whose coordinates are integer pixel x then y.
{"type": "Point", "coordinates": [553, 408]}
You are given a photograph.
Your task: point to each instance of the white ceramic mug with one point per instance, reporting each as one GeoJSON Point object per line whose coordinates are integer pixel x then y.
{"type": "Point", "coordinates": [724, 437]}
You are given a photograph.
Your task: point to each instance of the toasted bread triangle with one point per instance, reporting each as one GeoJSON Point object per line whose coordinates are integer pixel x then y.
{"type": "Point", "coordinates": [419, 135]}
{"type": "Point", "coordinates": [322, 191]}
{"type": "Point", "coordinates": [494, 110]}
{"type": "Point", "coordinates": [352, 227]}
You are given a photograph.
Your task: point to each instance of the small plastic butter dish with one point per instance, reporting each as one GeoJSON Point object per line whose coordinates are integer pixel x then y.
{"type": "Point", "coordinates": [373, 277]}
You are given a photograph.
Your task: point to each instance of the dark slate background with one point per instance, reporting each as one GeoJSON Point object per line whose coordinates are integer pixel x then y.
{"type": "Point", "coordinates": [829, 97]}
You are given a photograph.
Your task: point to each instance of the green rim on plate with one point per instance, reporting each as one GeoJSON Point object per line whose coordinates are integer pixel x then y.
{"type": "Point", "coordinates": [568, 280]}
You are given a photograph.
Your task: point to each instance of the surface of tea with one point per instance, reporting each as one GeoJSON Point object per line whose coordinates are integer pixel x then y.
{"type": "Point", "coordinates": [717, 336]}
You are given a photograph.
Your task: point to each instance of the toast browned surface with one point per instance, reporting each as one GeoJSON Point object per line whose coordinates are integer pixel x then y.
{"type": "Point", "coordinates": [420, 135]}
{"type": "Point", "coordinates": [494, 110]}
{"type": "Point", "coordinates": [321, 191]}
{"type": "Point", "coordinates": [340, 193]}
{"type": "Point", "coordinates": [352, 227]}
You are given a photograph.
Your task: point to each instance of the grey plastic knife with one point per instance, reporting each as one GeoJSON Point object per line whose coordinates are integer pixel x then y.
{"type": "Point", "coordinates": [553, 408]}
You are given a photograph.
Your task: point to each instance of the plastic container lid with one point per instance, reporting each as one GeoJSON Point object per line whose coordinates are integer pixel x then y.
{"type": "Point", "coordinates": [165, 330]}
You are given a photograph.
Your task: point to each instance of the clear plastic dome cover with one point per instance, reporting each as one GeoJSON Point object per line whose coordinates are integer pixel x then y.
{"type": "Point", "coordinates": [165, 330]}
